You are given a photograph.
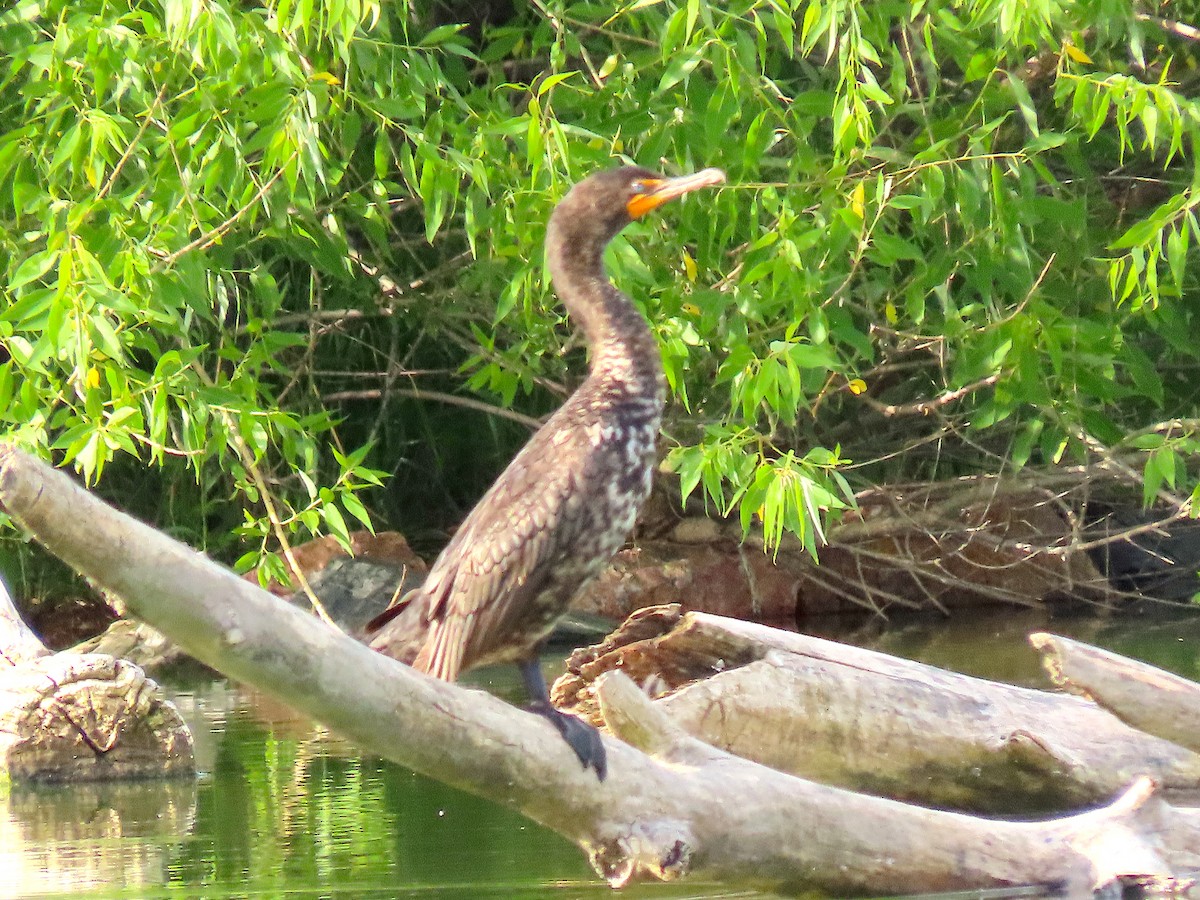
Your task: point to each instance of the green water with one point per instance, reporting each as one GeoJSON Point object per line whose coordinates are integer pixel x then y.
{"type": "Point", "coordinates": [285, 809]}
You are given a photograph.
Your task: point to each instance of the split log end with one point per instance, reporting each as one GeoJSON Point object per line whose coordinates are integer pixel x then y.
{"type": "Point", "coordinates": [632, 717]}
{"type": "Point", "coordinates": [1051, 648]}
{"type": "Point", "coordinates": [660, 850]}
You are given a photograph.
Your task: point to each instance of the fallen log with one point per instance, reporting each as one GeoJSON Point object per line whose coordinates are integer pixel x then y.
{"type": "Point", "coordinates": [18, 643]}
{"type": "Point", "coordinates": [672, 806]}
{"type": "Point", "coordinates": [861, 719]}
{"type": "Point", "coordinates": [1148, 698]}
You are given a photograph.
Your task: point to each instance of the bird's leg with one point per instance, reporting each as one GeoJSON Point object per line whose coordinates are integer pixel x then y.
{"type": "Point", "coordinates": [582, 737]}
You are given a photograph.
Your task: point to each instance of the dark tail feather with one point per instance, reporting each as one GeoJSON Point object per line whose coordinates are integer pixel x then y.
{"type": "Point", "coordinates": [388, 614]}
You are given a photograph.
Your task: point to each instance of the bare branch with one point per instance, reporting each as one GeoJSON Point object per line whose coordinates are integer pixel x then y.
{"type": "Point", "coordinates": [441, 397]}
{"type": "Point", "coordinates": [1179, 29]}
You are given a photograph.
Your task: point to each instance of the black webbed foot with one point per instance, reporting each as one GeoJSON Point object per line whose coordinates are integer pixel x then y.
{"type": "Point", "coordinates": [579, 735]}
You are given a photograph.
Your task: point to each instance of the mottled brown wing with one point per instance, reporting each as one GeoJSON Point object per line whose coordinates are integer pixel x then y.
{"type": "Point", "coordinates": [498, 561]}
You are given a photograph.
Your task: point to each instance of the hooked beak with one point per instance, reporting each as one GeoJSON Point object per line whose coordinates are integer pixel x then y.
{"type": "Point", "coordinates": [658, 191]}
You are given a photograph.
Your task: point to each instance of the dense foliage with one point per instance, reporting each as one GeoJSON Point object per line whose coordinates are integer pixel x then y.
{"type": "Point", "coordinates": [255, 245]}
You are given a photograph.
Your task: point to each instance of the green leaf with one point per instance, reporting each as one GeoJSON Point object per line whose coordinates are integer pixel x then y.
{"type": "Point", "coordinates": [355, 507]}
{"type": "Point", "coordinates": [1024, 104]}
{"type": "Point", "coordinates": [441, 34]}
{"type": "Point", "coordinates": [32, 268]}
{"type": "Point", "coordinates": [337, 524]}
{"type": "Point", "coordinates": [679, 68]}
{"type": "Point", "coordinates": [1047, 140]}
{"type": "Point", "coordinates": [548, 83]}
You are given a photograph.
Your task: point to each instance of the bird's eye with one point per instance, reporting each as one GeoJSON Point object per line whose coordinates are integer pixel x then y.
{"type": "Point", "coordinates": [638, 187]}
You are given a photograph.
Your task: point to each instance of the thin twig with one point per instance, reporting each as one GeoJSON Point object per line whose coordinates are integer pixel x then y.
{"type": "Point", "coordinates": [1037, 282]}
{"type": "Point", "coordinates": [441, 397]}
{"type": "Point", "coordinates": [211, 236]}
{"type": "Point", "coordinates": [1110, 460]}
{"type": "Point", "coordinates": [1119, 536]}
{"type": "Point", "coordinates": [924, 407]}
{"type": "Point", "coordinates": [137, 139]}
{"type": "Point", "coordinates": [247, 457]}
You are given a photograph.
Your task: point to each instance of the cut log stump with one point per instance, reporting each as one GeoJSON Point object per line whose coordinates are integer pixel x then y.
{"type": "Point", "coordinates": [82, 717]}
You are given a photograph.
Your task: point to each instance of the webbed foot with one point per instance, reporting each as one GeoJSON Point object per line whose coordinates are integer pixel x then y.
{"type": "Point", "coordinates": [581, 737]}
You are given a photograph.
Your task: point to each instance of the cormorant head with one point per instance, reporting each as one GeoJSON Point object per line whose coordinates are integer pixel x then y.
{"type": "Point", "coordinates": [602, 204]}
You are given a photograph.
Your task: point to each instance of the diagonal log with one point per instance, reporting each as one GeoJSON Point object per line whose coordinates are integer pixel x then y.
{"type": "Point", "coordinates": [671, 806]}
{"type": "Point", "coordinates": [18, 643]}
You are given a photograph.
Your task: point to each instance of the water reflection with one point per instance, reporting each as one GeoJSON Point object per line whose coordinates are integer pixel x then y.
{"type": "Point", "coordinates": [994, 643]}
{"type": "Point", "coordinates": [85, 838]}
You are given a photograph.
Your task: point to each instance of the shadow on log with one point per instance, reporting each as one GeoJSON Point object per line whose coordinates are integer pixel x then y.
{"type": "Point", "coordinates": [672, 805]}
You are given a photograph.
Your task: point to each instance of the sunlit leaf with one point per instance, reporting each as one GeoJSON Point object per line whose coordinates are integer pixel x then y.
{"type": "Point", "coordinates": [1075, 53]}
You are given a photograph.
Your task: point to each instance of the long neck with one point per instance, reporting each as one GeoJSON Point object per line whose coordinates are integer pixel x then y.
{"type": "Point", "coordinates": [623, 350]}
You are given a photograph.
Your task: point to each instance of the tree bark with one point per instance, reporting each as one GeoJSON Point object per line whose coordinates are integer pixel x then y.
{"type": "Point", "coordinates": [18, 643]}
{"type": "Point", "coordinates": [671, 806]}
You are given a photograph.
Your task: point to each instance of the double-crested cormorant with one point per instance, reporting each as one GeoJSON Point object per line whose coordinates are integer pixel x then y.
{"type": "Point", "coordinates": [568, 500]}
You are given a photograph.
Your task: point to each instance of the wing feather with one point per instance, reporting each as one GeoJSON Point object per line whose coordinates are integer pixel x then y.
{"type": "Point", "coordinates": [497, 560]}
{"type": "Point", "coordinates": [442, 654]}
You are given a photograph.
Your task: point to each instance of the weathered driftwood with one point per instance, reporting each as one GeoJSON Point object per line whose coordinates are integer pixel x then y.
{"type": "Point", "coordinates": [865, 720]}
{"type": "Point", "coordinates": [77, 717]}
{"type": "Point", "coordinates": [671, 806]}
{"type": "Point", "coordinates": [135, 642]}
{"type": "Point", "coordinates": [1146, 697]}
{"type": "Point", "coordinates": [18, 643]}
